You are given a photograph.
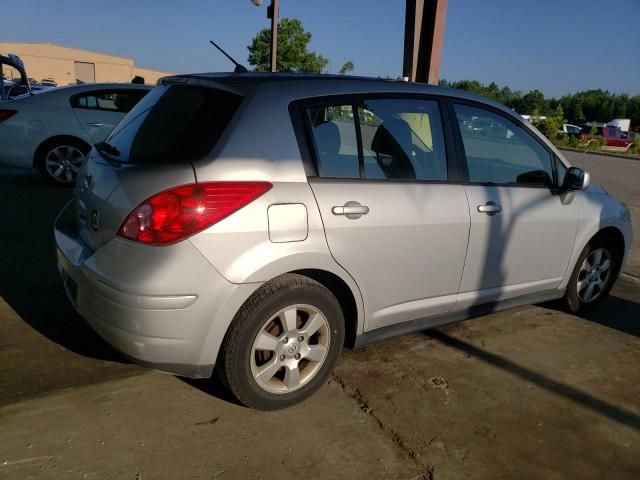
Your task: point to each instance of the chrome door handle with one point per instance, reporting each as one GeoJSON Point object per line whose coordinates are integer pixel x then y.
{"type": "Point", "coordinates": [96, 124]}
{"type": "Point", "coordinates": [361, 210]}
{"type": "Point", "coordinates": [351, 210]}
{"type": "Point", "coordinates": [490, 208]}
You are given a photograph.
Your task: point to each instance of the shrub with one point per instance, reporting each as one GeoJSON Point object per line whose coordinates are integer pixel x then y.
{"type": "Point", "coordinates": [562, 139]}
{"type": "Point", "coordinates": [595, 144]}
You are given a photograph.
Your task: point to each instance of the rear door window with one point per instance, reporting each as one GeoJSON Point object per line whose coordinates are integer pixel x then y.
{"type": "Point", "coordinates": [109, 100]}
{"type": "Point", "coordinates": [173, 123]}
{"type": "Point", "coordinates": [389, 138]}
{"type": "Point", "coordinates": [402, 139]}
{"type": "Point", "coordinates": [335, 139]}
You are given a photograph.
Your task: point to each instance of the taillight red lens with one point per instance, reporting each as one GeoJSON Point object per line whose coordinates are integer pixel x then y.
{"type": "Point", "coordinates": [180, 212]}
{"type": "Point", "coordinates": [6, 114]}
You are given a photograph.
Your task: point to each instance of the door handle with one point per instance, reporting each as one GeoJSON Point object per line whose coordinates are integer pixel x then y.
{"type": "Point", "coordinates": [351, 210]}
{"type": "Point", "coordinates": [96, 124]}
{"type": "Point", "coordinates": [490, 208]}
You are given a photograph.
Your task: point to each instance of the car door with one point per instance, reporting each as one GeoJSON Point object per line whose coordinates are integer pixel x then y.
{"type": "Point", "coordinates": [99, 111]}
{"type": "Point", "coordinates": [522, 227]}
{"type": "Point", "coordinates": [392, 217]}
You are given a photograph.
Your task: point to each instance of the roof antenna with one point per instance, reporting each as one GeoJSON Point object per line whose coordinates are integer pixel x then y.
{"type": "Point", "coordinates": [239, 68]}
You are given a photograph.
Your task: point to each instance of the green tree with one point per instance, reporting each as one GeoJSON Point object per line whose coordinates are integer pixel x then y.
{"type": "Point", "coordinates": [293, 49]}
{"type": "Point", "coordinates": [346, 68]}
{"type": "Point", "coordinates": [534, 100]}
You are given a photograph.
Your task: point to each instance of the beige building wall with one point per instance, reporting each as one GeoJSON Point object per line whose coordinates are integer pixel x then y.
{"type": "Point", "coordinates": [44, 60]}
{"type": "Point", "coordinates": [150, 76]}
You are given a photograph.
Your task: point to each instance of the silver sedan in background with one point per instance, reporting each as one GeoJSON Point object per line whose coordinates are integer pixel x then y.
{"type": "Point", "coordinates": [53, 129]}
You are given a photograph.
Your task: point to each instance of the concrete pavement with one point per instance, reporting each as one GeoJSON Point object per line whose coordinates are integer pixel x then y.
{"type": "Point", "coordinates": [531, 393]}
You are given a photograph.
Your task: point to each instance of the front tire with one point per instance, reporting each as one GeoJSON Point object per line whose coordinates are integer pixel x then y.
{"type": "Point", "coordinates": [283, 343]}
{"type": "Point", "coordinates": [593, 276]}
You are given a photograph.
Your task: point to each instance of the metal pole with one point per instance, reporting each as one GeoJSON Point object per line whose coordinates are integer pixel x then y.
{"type": "Point", "coordinates": [273, 14]}
{"type": "Point", "coordinates": [423, 39]}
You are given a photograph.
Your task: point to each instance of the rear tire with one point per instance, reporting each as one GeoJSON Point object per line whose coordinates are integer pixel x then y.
{"type": "Point", "coordinates": [283, 343]}
{"type": "Point", "coordinates": [59, 161]}
{"type": "Point", "coordinates": [593, 276]}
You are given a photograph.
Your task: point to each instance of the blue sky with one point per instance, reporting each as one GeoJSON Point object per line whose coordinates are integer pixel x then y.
{"type": "Point", "coordinates": [558, 46]}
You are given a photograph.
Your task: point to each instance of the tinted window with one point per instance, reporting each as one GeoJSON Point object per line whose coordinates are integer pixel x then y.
{"type": "Point", "coordinates": [336, 144]}
{"type": "Point", "coordinates": [115, 101]}
{"type": "Point", "coordinates": [173, 124]}
{"type": "Point", "coordinates": [403, 139]}
{"type": "Point", "coordinates": [499, 151]}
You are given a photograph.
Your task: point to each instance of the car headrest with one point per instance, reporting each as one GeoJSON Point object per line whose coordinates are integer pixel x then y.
{"type": "Point", "coordinates": [327, 137]}
{"type": "Point", "coordinates": [388, 142]}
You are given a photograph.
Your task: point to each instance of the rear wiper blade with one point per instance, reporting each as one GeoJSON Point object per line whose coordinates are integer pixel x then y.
{"type": "Point", "coordinates": [106, 148]}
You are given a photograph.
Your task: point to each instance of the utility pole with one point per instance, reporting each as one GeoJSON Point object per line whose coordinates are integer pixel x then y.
{"type": "Point", "coordinates": [273, 13]}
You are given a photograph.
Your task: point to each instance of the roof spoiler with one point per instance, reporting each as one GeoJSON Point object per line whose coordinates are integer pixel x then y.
{"type": "Point", "coordinates": [226, 82]}
{"type": "Point", "coordinates": [13, 61]}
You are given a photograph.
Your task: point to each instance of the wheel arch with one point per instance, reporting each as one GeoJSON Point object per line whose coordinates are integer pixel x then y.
{"type": "Point", "coordinates": [614, 235]}
{"type": "Point", "coordinates": [55, 140]}
{"type": "Point", "coordinates": [609, 230]}
{"type": "Point", "coordinates": [345, 296]}
{"type": "Point", "coordinates": [345, 290]}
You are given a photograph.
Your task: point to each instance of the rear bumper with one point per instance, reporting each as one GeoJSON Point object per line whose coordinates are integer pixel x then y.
{"type": "Point", "coordinates": [164, 307]}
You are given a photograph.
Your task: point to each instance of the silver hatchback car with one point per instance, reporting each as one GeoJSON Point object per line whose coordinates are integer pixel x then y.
{"type": "Point", "coordinates": [254, 224]}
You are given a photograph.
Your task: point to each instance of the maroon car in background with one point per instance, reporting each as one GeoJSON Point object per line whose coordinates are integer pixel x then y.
{"type": "Point", "coordinates": [612, 138]}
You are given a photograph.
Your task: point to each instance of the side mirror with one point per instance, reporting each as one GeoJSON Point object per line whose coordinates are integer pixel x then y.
{"type": "Point", "coordinates": [576, 179]}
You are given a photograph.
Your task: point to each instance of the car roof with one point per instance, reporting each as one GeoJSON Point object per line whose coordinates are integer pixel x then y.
{"type": "Point", "coordinates": [98, 86]}
{"type": "Point", "coordinates": [53, 94]}
{"type": "Point", "coordinates": [303, 85]}
{"type": "Point", "coordinates": [73, 89]}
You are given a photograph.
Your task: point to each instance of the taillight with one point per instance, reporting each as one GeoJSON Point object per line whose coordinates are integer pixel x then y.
{"type": "Point", "coordinates": [180, 212]}
{"type": "Point", "coordinates": [6, 114]}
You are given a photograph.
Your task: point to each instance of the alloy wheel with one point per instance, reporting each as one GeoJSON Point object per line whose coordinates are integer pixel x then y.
{"type": "Point", "coordinates": [594, 275]}
{"type": "Point", "coordinates": [63, 163]}
{"type": "Point", "coordinates": [290, 349]}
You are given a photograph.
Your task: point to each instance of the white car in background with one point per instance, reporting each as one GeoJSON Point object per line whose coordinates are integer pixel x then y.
{"type": "Point", "coordinates": [54, 129]}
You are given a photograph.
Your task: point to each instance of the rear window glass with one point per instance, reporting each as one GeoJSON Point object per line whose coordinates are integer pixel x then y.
{"type": "Point", "coordinates": [173, 123]}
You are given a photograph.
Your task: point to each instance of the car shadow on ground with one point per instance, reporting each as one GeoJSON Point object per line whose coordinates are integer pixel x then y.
{"type": "Point", "coordinates": [617, 414]}
{"type": "Point", "coordinates": [214, 387]}
{"type": "Point", "coordinates": [615, 312]}
{"type": "Point", "coordinates": [29, 281]}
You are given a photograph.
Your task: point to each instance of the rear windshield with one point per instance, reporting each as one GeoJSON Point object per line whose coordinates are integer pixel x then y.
{"type": "Point", "coordinates": [173, 123]}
